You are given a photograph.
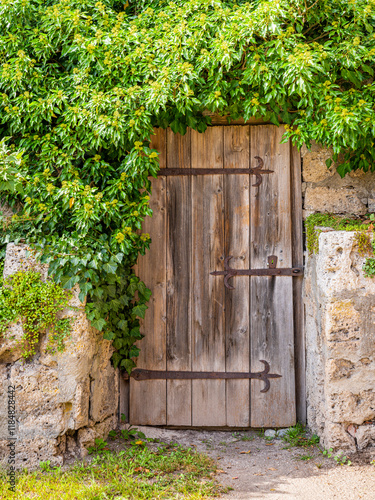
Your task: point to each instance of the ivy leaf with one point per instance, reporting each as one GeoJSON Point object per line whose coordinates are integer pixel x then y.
{"type": "Point", "coordinates": [118, 258]}
{"type": "Point", "coordinates": [68, 282]}
{"type": "Point", "coordinates": [110, 267]}
{"type": "Point", "coordinates": [140, 310]}
{"type": "Point", "coordinates": [108, 335]}
{"type": "Point", "coordinates": [128, 365]}
{"type": "Point", "coordinates": [99, 324]}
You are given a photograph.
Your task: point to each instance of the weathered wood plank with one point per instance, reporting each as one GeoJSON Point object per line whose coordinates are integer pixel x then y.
{"type": "Point", "coordinates": [297, 235]}
{"type": "Point", "coordinates": [179, 279]}
{"type": "Point", "coordinates": [272, 333]}
{"type": "Point", "coordinates": [148, 397]}
{"type": "Point", "coordinates": [237, 301]}
{"type": "Point", "coordinates": [208, 338]}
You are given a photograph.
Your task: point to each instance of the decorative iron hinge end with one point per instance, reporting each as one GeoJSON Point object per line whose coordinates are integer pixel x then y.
{"type": "Point", "coordinates": [143, 374]}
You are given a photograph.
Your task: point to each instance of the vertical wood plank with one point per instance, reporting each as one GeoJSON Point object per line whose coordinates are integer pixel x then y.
{"type": "Point", "coordinates": [299, 337]}
{"type": "Point", "coordinates": [208, 346]}
{"type": "Point", "coordinates": [178, 279]}
{"type": "Point", "coordinates": [272, 333]}
{"type": "Point", "coordinates": [148, 397]}
{"type": "Point", "coordinates": [236, 155]}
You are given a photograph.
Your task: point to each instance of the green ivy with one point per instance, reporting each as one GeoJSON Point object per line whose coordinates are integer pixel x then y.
{"type": "Point", "coordinates": [25, 297]}
{"type": "Point", "coordinates": [369, 265]}
{"type": "Point", "coordinates": [83, 84]}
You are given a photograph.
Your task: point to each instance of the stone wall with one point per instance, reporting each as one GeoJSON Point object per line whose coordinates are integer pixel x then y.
{"type": "Point", "coordinates": [325, 191]}
{"type": "Point", "coordinates": [340, 344]}
{"type": "Point", "coordinates": [63, 401]}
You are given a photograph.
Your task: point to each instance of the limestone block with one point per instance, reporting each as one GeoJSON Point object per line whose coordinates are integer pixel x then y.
{"type": "Point", "coordinates": [314, 163]}
{"type": "Point", "coordinates": [11, 344]}
{"type": "Point", "coordinates": [340, 368]}
{"type": "Point", "coordinates": [103, 386]}
{"type": "Point", "coordinates": [56, 391]}
{"type": "Point", "coordinates": [86, 437]}
{"type": "Point", "coordinates": [337, 438]}
{"type": "Point", "coordinates": [340, 343]}
{"type": "Point", "coordinates": [339, 266]}
{"type": "Point", "coordinates": [18, 258]}
{"type": "Point", "coordinates": [351, 406]}
{"type": "Point", "coordinates": [333, 200]}
{"type": "Point", "coordinates": [365, 436]}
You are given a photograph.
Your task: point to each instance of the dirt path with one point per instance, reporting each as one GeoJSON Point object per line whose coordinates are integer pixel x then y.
{"type": "Point", "coordinates": [259, 469]}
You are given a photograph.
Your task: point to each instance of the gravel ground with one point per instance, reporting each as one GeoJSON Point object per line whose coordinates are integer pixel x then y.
{"type": "Point", "coordinates": [260, 469]}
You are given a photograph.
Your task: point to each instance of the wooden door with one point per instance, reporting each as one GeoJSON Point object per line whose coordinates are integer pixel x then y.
{"type": "Point", "coordinates": [195, 323]}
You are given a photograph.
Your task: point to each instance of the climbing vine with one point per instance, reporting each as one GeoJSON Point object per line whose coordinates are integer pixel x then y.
{"type": "Point", "coordinates": [25, 297]}
{"type": "Point", "coordinates": [83, 83]}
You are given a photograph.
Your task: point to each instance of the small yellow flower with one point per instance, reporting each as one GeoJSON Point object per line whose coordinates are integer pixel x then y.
{"type": "Point", "coordinates": [120, 237]}
{"type": "Point", "coordinates": [97, 158]}
{"type": "Point", "coordinates": [153, 155]}
{"type": "Point", "coordinates": [131, 123]}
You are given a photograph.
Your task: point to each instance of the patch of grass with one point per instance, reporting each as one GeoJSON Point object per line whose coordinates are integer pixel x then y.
{"type": "Point", "coordinates": [261, 432]}
{"type": "Point", "coordinates": [135, 473]}
{"type": "Point", "coordinates": [247, 438]}
{"type": "Point", "coordinates": [305, 457]}
{"type": "Point", "coordinates": [298, 436]}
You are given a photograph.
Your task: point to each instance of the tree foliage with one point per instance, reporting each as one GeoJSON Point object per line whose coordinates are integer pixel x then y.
{"type": "Point", "coordinates": [84, 82]}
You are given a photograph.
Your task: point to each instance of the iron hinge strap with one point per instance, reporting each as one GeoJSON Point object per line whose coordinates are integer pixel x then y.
{"type": "Point", "coordinates": [143, 374]}
{"type": "Point", "coordinates": [272, 270]}
{"type": "Point", "coordinates": [257, 171]}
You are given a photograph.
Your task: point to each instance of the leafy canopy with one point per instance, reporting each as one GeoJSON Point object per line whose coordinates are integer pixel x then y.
{"type": "Point", "coordinates": [84, 82]}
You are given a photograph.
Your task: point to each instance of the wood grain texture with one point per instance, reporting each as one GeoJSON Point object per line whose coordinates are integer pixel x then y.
{"type": "Point", "coordinates": [272, 333]}
{"type": "Point", "coordinates": [297, 256]}
{"type": "Point", "coordinates": [237, 301]}
{"type": "Point", "coordinates": [179, 279]}
{"type": "Point", "coordinates": [208, 346]}
{"type": "Point", "coordinates": [148, 398]}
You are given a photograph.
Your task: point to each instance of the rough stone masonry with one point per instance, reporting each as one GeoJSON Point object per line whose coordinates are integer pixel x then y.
{"type": "Point", "coordinates": [340, 344]}
{"type": "Point", "coordinates": [339, 311]}
{"type": "Point", "coordinates": [63, 401]}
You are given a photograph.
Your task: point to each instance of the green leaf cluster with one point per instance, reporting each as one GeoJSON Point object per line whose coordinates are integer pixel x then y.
{"type": "Point", "coordinates": [37, 304]}
{"type": "Point", "coordinates": [83, 84]}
